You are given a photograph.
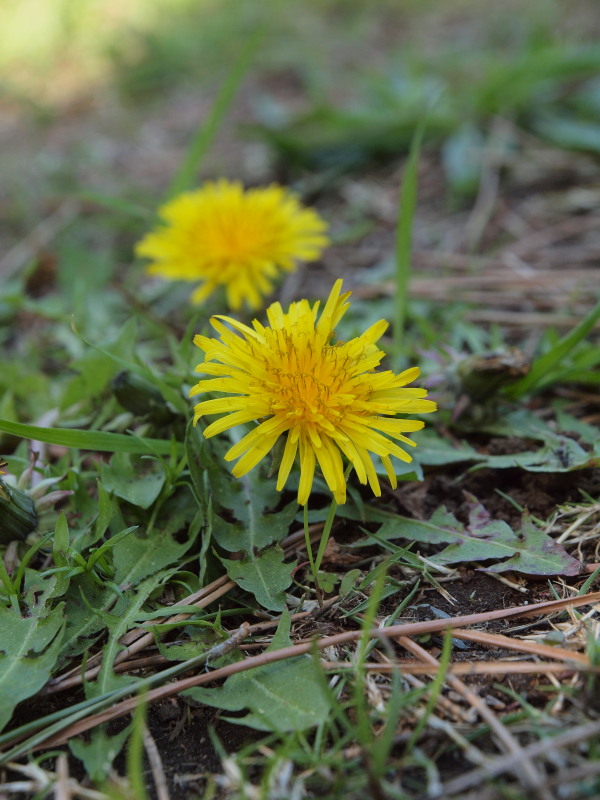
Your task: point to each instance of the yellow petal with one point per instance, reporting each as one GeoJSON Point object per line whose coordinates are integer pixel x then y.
{"type": "Point", "coordinates": [255, 454]}
{"type": "Point", "coordinates": [307, 471]}
{"type": "Point", "coordinates": [287, 460]}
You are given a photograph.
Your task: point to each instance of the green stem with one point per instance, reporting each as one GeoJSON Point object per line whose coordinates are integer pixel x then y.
{"type": "Point", "coordinates": [325, 535]}
{"type": "Point", "coordinates": [313, 566]}
{"type": "Point", "coordinates": [309, 544]}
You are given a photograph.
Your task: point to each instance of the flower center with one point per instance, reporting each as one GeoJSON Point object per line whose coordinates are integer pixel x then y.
{"type": "Point", "coordinates": [245, 237]}
{"type": "Point", "coordinates": [314, 387]}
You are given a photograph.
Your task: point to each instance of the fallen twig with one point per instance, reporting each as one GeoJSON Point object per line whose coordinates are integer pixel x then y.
{"type": "Point", "coordinates": [393, 631]}
{"type": "Point", "coordinates": [496, 766]}
{"type": "Point", "coordinates": [471, 667]}
{"type": "Point", "coordinates": [525, 770]}
{"type": "Point", "coordinates": [156, 766]}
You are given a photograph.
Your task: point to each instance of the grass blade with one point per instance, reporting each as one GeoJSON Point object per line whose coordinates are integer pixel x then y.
{"type": "Point", "coordinates": [406, 212]}
{"type": "Point", "coordinates": [102, 441]}
{"type": "Point", "coordinates": [186, 174]}
{"type": "Point", "coordinates": [116, 204]}
{"type": "Point", "coordinates": [135, 752]}
{"type": "Point", "coordinates": [554, 356]}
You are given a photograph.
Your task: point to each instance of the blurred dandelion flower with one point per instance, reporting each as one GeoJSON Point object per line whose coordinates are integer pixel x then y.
{"type": "Point", "coordinates": [324, 397]}
{"type": "Point", "coordinates": [223, 235]}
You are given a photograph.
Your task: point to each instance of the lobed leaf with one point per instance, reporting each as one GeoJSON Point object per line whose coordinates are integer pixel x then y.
{"type": "Point", "coordinates": [86, 600]}
{"type": "Point", "coordinates": [266, 576]}
{"type": "Point", "coordinates": [29, 648]}
{"type": "Point", "coordinates": [98, 753]}
{"type": "Point", "coordinates": [137, 556]}
{"type": "Point", "coordinates": [283, 696]}
{"type": "Point", "coordinates": [248, 499]}
{"type": "Point", "coordinates": [530, 550]}
{"type": "Point", "coordinates": [120, 478]}
{"type": "Point", "coordinates": [118, 626]}
{"type": "Point", "coordinates": [557, 453]}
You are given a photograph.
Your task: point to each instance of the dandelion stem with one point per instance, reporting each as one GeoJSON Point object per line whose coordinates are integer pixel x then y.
{"type": "Point", "coordinates": [325, 535]}
{"type": "Point", "coordinates": [308, 543]}
{"type": "Point", "coordinates": [313, 567]}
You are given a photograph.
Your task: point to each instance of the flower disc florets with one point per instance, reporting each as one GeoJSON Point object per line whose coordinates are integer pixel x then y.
{"type": "Point", "coordinates": [324, 397]}
{"type": "Point", "coordinates": [223, 235]}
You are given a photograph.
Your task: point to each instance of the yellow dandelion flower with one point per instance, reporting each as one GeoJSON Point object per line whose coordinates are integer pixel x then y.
{"type": "Point", "coordinates": [223, 235]}
{"type": "Point", "coordinates": [324, 397]}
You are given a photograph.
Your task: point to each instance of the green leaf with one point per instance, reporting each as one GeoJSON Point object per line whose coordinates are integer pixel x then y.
{"type": "Point", "coordinates": [101, 441]}
{"type": "Point", "coordinates": [538, 554]}
{"type": "Point", "coordinates": [84, 626]}
{"type": "Point", "coordinates": [137, 556]}
{"type": "Point", "coordinates": [120, 478]}
{"type": "Point", "coordinates": [29, 650]}
{"type": "Point", "coordinates": [39, 588]}
{"type": "Point", "coordinates": [248, 498]}
{"type": "Point", "coordinates": [483, 539]}
{"type": "Point", "coordinates": [116, 204]}
{"type": "Point", "coordinates": [96, 368]}
{"type": "Point", "coordinates": [200, 636]}
{"type": "Point", "coordinates": [98, 754]}
{"type": "Point", "coordinates": [284, 696]}
{"type": "Point", "coordinates": [436, 451]}
{"type": "Point", "coordinates": [60, 544]}
{"type": "Point", "coordinates": [105, 512]}
{"type": "Point", "coordinates": [265, 576]}
{"type": "Point", "coordinates": [558, 455]}
{"type": "Point", "coordinates": [60, 555]}
{"type": "Point", "coordinates": [259, 530]}
{"type": "Point", "coordinates": [349, 581]}
{"type": "Point", "coordinates": [586, 432]}
{"type": "Point", "coordinates": [570, 133]}
{"type": "Point", "coordinates": [196, 452]}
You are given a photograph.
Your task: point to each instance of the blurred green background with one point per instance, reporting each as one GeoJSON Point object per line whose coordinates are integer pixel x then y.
{"type": "Point", "coordinates": [332, 84]}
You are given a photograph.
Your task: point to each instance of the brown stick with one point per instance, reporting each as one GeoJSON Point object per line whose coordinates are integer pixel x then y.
{"type": "Point", "coordinates": [471, 668]}
{"type": "Point", "coordinates": [523, 767]}
{"type": "Point", "coordinates": [521, 645]}
{"type": "Point", "coordinates": [156, 766]}
{"type": "Point", "coordinates": [409, 629]}
{"type": "Point", "coordinates": [552, 744]}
